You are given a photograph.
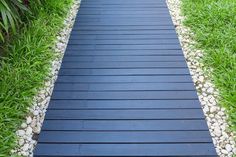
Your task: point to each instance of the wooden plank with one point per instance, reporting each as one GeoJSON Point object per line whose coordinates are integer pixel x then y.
{"type": "Point", "coordinates": [122, 32]}
{"type": "Point", "coordinates": [124, 47]}
{"type": "Point", "coordinates": [84, 6]}
{"type": "Point", "coordinates": [124, 87]}
{"type": "Point", "coordinates": [161, 9]}
{"type": "Point", "coordinates": [189, 149]}
{"type": "Point", "coordinates": [120, 12]}
{"type": "Point", "coordinates": [123, 104]}
{"type": "Point", "coordinates": [123, 42]}
{"type": "Point", "coordinates": [126, 15]}
{"type": "Point", "coordinates": [118, 79]}
{"type": "Point", "coordinates": [125, 125]}
{"type": "Point", "coordinates": [125, 137]}
{"type": "Point", "coordinates": [123, 2]}
{"type": "Point", "coordinates": [131, 19]}
{"type": "Point", "coordinates": [113, 28]}
{"type": "Point", "coordinates": [107, 4]}
{"type": "Point", "coordinates": [127, 72]}
{"type": "Point", "coordinates": [124, 23]}
{"type": "Point", "coordinates": [124, 53]}
{"type": "Point", "coordinates": [124, 65]}
{"type": "Point", "coordinates": [123, 58]}
{"type": "Point", "coordinates": [123, 7]}
{"type": "Point", "coordinates": [126, 95]}
{"type": "Point", "coordinates": [123, 37]}
{"type": "Point", "coordinates": [125, 114]}
{"type": "Point", "coordinates": [152, 8]}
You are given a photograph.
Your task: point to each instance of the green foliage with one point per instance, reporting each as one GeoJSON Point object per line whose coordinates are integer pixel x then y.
{"type": "Point", "coordinates": [214, 25]}
{"type": "Point", "coordinates": [10, 16]}
{"type": "Point", "coordinates": [25, 67]}
{"type": "Point", "coordinates": [14, 13]}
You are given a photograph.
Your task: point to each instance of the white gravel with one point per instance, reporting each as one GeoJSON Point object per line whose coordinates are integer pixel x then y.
{"type": "Point", "coordinates": [31, 127]}
{"type": "Point", "coordinates": [215, 115]}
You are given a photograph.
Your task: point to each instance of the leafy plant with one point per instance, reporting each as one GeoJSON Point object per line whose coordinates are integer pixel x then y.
{"type": "Point", "coordinates": [10, 16]}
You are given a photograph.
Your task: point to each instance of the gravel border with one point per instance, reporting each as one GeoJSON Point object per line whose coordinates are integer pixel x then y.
{"type": "Point", "coordinates": [28, 133]}
{"type": "Point", "coordinates": [223, 138]}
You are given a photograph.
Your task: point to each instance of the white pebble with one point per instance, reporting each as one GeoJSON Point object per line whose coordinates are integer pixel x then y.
{"type": "Point", "coordinates": [28, 120]}
{"type": "Point", "coordinates": [21, 142]}
{"type": "Point", "coordinates": [210, 90]}
{"type": "Point", "coordinates": [201, 78]}
{"type": "Point", "coordinates": [228, 147]}
{"type": "Point", "coordinates": [213, 109]}
{"type": "Point", "coordinates": [36, 129]}
{"type": "Point", "coordinates": [25, 147]}
{"type": "Point", "coordinates": [36, 113]}
{"type": "Point", "coordinates": [20, 133]}
{"type": "Point", "coordinates": [25, 153]}
{"type": "Point", "coordinates": [224, 151]}
{"type": "Point", "coordinates": [23, 125]}
{"type": "Point", "coordinates": [217, 132]}
{"type": "Point", "coordinates": [29, 131]}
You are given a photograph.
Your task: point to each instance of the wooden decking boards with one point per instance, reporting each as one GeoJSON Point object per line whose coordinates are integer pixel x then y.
{"type": "Point", "coordinates": [124, 88]}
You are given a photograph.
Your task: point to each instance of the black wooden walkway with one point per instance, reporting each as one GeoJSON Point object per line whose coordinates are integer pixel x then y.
{"type": "Point", "coordinates": [124, 88]}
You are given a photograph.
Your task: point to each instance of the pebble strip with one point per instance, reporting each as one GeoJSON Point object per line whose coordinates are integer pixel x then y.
{"type": "Point", "coordinates": [31, 127]}
{"type": "Point", "coordinates": [215, 115]}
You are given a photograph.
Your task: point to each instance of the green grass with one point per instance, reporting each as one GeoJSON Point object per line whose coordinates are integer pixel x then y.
{"type": "Point", "coordinates": [214, 25]}
{"type": "Point", "coordinates": [25, 67]}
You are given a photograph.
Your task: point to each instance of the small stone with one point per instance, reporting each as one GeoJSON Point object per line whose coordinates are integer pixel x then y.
{"type": "Point", "coordinates": [23, 125]}
{"type": "Point", "coordinates": [228, 147]}
{"type": "Point", "coordinates": [19, 153]}
{"type": "Point", "coordinates": [234, 150]}
{"type": "Point", "coordinates": [35, 113]}
{"type": "Point", "coordinates": [28, 138]}
{"type": "Point", "coordinates": [44, 102]}
{"type": "Point", "coordinates": [29, 131]}
{"type": "Point", "coordinates": [201, 78]}
{"type": "Point", "coordinates": [21, 142]}
{"type": "Point", "coordinates": [224, 151]}
{"type": "Point", "coordinates": [32, 142]}
{"type": "Point", "coordinates": [33, 123]}
{"type": "Point", "coordinates": [211, 115]}
{"type": "Point", "coordinates": [25, 153]}
{"type": "Point", "coordinates": [206, 109]}
{"type": "Point", "coordinates": [28, 120]}
{"type": "Point", "coordinates": [21, 133]}
{"type": "Point", "coordinates": [210, 90]}
{"type": "Point", "coordinates": [36, 130]}
{"type": "Point", "coordinates": [213, 109]}
{"type": "Point", "coordinates": [221, 113]}
{"type": "Point", "coordinates": [25, 147]}
{"type": "Point", "coordinates": [217, 132]}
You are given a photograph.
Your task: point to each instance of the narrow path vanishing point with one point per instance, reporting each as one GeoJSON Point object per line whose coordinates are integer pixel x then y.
{"type": "Point", "coordinates": [124, 88]}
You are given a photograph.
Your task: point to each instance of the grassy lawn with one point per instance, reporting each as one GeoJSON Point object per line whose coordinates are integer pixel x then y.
{"type": "Point", "coordinates": [214, 25]}
{"type": "Point", "coordinates": [25, 66]}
